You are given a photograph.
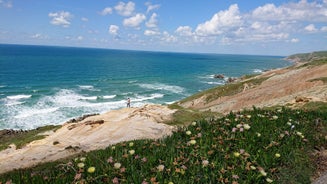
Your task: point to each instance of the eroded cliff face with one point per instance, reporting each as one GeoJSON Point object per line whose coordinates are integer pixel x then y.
{"type": "Point", "coordinates": [91, 133]}
{"type": "Point", "coordinates": [290, 86]}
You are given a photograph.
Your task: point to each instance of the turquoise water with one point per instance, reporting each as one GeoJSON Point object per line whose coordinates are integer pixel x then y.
{"type": "Point", "coordinates": [41, 85]}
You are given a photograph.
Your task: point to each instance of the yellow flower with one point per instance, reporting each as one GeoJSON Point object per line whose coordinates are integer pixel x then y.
{"type": "Point", "coordinates": [269, 180]}
{"type": "Point", "coordinates": [131, 144]}
{"type": "Point", "coordinates": [113, 147]}
{"type": "Point", "coordinates": [170, 182]}
{"type": "Point", "coordinates": [263, 173]}
{"type": "Point", "coordinates": [248, 116]}
{"type": "Point", "coordinates": [131, 152]}
{"type": "Point", "coordinates": [277, 155]}
{"type": "Point", "coordinates": [236, 154]}
{"type": "Point", "coordinates": [91, 169]}
{"type": "Point", "coordinates": [247, 126]}
{"type": "Point", "coordinates": [188, 132]}
{"type": "Point", "coordinates": [193, 123]}
{"type": "Point", "coordinates": [252, 167]}
{"type": "Point", "coordinates": [258, 134]}
{"type": "Point", "coordinates": [192, 141]}
{"type": "Point", "coordinates": [117, 165]}
{"type": "Point", "coordinates": [80, 165]}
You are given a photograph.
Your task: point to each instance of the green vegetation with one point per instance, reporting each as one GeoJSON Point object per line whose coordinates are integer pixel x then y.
{"type": "Point", "coordinates": [21, 138]}
{"type": "Point", "coordinates": [305, 57]}
{"type": "Point", "coordinates": [255, 146]}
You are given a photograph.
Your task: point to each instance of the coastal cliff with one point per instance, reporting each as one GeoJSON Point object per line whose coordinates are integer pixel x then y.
{"type": "Point", "coordinates": [293, 87]}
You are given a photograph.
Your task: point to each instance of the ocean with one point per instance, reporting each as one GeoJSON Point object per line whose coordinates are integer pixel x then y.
{"type": "Point", "coordinates": [46, 85]}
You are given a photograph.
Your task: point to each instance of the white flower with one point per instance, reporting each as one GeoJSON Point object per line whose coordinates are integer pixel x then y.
{"type": "Point", "coordinates": [205, 163]}
{"type": "Point", "coordinates": [113, 147]}
{"type": "Point", "coordinates": [275, 117]}
{"type": "Point", "coordinates": [269, 180]}
{"type": "Point", "coordinates": [131, 144]}
{"type": "Point", "coordinates": [263, 173]}
{"type": "Point", "coordinates": [192, 141]}
{"type": "Point", "coordinates": [247, 127]}
{"type": "Point", "coordinates": [193, 123]}
{"type": "Point", "coordinates": [239, 125]}
{"type": "Point", "coordinates": [160, 167]}
{"type": "Point", "coordinates": [277, 155]}
{"type": "Point", "coordinates": [252, 167]}
{"type": "Point", "coordinates": [117, 165]}
{"type": "Point", "coordinates": [82, 159]}
{"type": "Point", "coordinates": [131, 152]}
{"type": "Point", "coordinates": [80, 165]}
{"type": "Point", "coordinates": [258, 134]}
{"type": "Point", "coordinates": [188, 132]}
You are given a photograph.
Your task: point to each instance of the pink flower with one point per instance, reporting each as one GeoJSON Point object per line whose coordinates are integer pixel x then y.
{"type": "Point", "coordinates": [115, 180]}
{"type": "Point", "coordinates": [110, 160]}
{"type": "Point", "coordinates": [234, 129]}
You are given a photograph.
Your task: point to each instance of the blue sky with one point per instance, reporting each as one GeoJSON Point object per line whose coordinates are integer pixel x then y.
{"type": "Point", "coordinates": [208, 26]}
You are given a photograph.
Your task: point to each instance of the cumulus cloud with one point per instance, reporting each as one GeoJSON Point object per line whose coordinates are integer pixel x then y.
{"type": "Point", "coordinates": [125, 9]}
{"type": "Point", "coordinates": [84, 19]}
{"type": "Point", "coordinates": [311, 28]}
{"type": "Point", "coordinates": [295, 40]}
{"type": "Point", "coordinates": [166, 37]}
{"type": "Point", "coordinates": [106, 11]}
{"type": "Point", "coordinates": [220, 22]}
{"type": "Point", "coordinates": [134, 21]}
{"type": "Point", "coordinates": [151, 33]}
{"type": "Point", "coordinates": [324, 28]}
{"type": "Point", "coordinates": [151, 7]}
{"type": "Point", "coordinates": [184, 31]}
{"type": "Point", "coordinates": [113, 30]}
{"type": "Point", "coordinates": [300, 11]}
{"type": "Point", "coordinates": [60, 18]}
{"type": "Point", "coordinates": [152, 23]}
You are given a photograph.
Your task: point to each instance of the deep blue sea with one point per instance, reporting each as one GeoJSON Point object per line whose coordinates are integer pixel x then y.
{"type": "Point", "coordinates": [42, 85]}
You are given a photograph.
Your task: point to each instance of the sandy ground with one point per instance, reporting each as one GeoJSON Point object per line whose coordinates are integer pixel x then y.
{"type": "Point", "coordinates": [95, 132]}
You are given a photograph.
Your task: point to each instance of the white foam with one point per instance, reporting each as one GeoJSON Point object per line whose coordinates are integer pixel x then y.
{"type": "Point", "coordinates": [257, 71]}
{"type": "Point", "coordinates": [165, 87]}
{"type": "Point", "coordinates": [88, 87]}
{"type": "Point", "coordinates": [89, 97]}
{"type": "Point", "coordinates": [32, 112]}
{"type": "Point", "coordinates": [215, 83]}
{"type": "Point", "coordinates": [18, 97]}
{"type": "Point", "coordinates": [109, 96]}
{"type": "Point", "coordinates": [144, 98]}
{"type": "Point", "coordinates": [11, 103]}
{"type": "Point", "coordinates": [2, 86]}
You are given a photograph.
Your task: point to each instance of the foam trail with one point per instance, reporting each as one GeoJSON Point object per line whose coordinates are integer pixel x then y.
{"type": "Point", "coordinates": [109, 96]}
{"type": "Point", "coordinates": [18, 97]}
{"type": "Point", "coordinates": [160, 86]}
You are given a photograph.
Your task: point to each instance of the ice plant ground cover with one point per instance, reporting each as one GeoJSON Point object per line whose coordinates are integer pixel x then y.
{"type": "Point", "coordinates": [254, 146]}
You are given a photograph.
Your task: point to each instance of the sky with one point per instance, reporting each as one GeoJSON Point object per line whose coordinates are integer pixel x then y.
{"type": "Point", "coordinates": [265, 27]}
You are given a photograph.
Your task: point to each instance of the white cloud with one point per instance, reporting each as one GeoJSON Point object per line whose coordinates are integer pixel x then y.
{"type": "Point", "coordinates": [295, 40]}
{"type": "Point", "coordinates": [221, 22]}
{"type": "Point", "coordinates": [310, 28]}
{"type": "Point", "coordinates": [152, 23]}
{"type": "Point", "coordinates": [151, 7]}
{"type": "Point", "coordinates": [80, 38]}
{"type": "Point", "coordinates": [324, 28]}
{"type": "Point", "coordinates": [113, 30]}
{"type": "Point", "coordinates": [168, 38]}
{"type": "Point", "coordinates": [125, 9]}
{"type": "Point", "coordinates": [134, 21]}
{"type": "Point", "coordinates": [60, 18]}
{"type": "Point", "coordinates": [184, 31]}
{"type": "Point", "coordinates": [6, 3]}
{"type": "Point", "coordinates": [106, 11]}
{"type": "Point", "coordinates": [151, 33]}
{"type": "Point", "coordinates": [300, 11]}
{"type": "Point", "coordinates": [84, 19]}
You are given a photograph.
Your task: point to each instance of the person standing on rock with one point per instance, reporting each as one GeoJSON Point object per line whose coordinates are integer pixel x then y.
{"type": "Point", "coordinates": [128, 102]}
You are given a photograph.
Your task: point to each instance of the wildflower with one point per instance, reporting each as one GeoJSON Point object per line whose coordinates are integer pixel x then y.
{"type": "Point", "coordinates": [241, 129]}
{"type": "Point", "coordinates": [110, 160]}
{"type": "Point", "coordinates": [170, 182]}
{"type": "Point", "coordinates": [234, 129]}
{"type": "Point", "coordinates": [91, 169]}
{"type": "Point", "coordinates": [262, 172]}
{"type": "Point", "coordinates": [117, 165]}
{"type": "Point", "coordinates": [193, 123]}
{"type": "Point", "coordinates": [236, 154]}
{"type": "Point", "coordinates": [248, 116]}
{"type": "Point", "coordinates": [299, 133]}
{"type": "Point", "coordinates": [82, 159]}
{"type": "Point", "coordinates": [199, 135]}
{"type": "Point", "coordinates": [269, 180]}
{"type": "Point", "coordinates": [277, 155]}
{"type": "Point", "coordinates": [131, 152]}
{"type": "Point", "coordinates": [192, 141]}
{"type": "Point", "coordinates": [247, 126]}
{"type": "Point", "coordinates": [113, 147]}
{"type": "Point", "coordinates": [239, 125]}
{"type": "Point", "coordinates": [160, 167]}
{"type": "Point", "coordinates": [292, 127]}
{"type": "Point", "coordinates": [144, 159]}
{"type": "Point", "coordinates": [80, 165]}
{"type": "Point", "coordinates": [235, 176]}
{"type": "Point", "coordinates": [252, 167]}
{"type": "Point", "coordinates": [275, 117]}
{"type": "Point", "coordinates": [131, 144]}
{"type": "Point", "coordinates": [205, 163]}
{"type": "Point", "coordinates": [188, 132]}
{"type": "Point", "coordinates": [115, 180]}
{"type": "Point", "coordinates": [289, 123]}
